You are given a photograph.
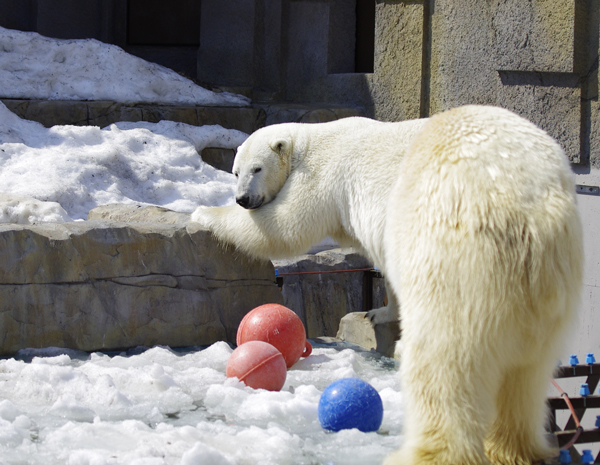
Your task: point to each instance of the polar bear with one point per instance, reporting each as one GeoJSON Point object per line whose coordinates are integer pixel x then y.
{"type": "Point", "coordinates": [299, 183]}
{"type": "Point", "coordinates": [471, 215]}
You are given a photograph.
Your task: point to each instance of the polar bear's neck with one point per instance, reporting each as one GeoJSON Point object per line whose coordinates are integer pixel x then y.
{"type": "Point", "coordinates": [355, 161]}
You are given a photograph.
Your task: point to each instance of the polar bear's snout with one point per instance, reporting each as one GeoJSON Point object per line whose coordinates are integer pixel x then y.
{"type": "Point", "coordinates": [249, 202]}
{"type": "Point", "coordinates": [243, 201]}
{"type": "Point", "coordinates": [249, 193]}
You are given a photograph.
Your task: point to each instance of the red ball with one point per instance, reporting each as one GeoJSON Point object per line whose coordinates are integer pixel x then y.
{"type": "Point", "coordinates": [279, 326]}
{"type": "Point", "coordinates": [258, 365]}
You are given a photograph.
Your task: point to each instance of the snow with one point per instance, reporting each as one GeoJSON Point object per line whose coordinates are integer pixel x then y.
{"type": "Point", "coordinates": [26, 210]}
{"type": "Point", "coordinates": [159, 406]}
{"type": "Point", "coordinates": [37, 67]}
{"type": "Point", "coordinates": [81, 167]}
{"type": "Point", "coordinates": [61, 173]}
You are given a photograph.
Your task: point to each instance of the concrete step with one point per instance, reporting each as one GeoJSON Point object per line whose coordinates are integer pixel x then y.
{"type": "Point", "coordinates": [104, 113]}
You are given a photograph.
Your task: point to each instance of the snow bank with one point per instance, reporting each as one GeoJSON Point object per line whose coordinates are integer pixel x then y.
{"type": "Point", "coordinates": [37, 67]}
{"type": "Point", "coordinates": [81, 167]}
{"type": "Point", "coordinates": [26, 210]}
{"type": "Point", "coordinates": [160, 407]}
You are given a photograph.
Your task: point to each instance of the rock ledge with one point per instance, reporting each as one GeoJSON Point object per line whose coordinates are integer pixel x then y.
{"type": "Point", "coordinates": [105, 285]}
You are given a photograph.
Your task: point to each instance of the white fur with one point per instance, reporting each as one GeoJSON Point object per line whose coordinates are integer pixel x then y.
{"type": "Point", "coordinates": [327, 179]}
{"type": "Point", "coordinates": [316, 180]}
{"type": "Point", "coordinates": [484, 249]}
{"type": "Point", "coordinates": [476, 229]}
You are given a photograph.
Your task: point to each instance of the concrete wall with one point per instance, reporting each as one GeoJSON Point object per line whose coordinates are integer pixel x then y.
{"type": "Point", "coordinates": [537, 58]}
{"type": "Point", "coordinates": [293, 50]}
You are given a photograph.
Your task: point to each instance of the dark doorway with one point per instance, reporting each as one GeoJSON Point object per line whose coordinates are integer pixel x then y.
{"type": "Point", "coordinates": [365, 36]}
{"type": "Point", "coordinates": [156, 22]}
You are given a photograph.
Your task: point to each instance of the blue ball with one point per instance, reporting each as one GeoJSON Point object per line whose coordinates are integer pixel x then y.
{"type": "Point", "coordinates": [350, 403]}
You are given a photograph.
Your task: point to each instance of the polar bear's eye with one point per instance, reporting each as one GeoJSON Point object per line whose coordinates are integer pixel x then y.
{"type": "Point", "coordinates": [235, 174]}
{"type": "Point", "coordinates": [257, 170]}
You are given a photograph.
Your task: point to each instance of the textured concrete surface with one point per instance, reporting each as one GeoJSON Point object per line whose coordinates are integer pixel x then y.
{"type": "Point", "coordinates": [103, 113]}
{"type": "Point", "coordinates": [101, 285]}
{"type": "Point", "coordinates": [538, 35]}
{"type": "Point", "coordinates": [220, 158]}
{"type": "Point", "coordinates": [524, 56]}
{"type": "Point", "coordinates": [137, 214]}
{"type": "Point", "coordinates": [324, 287]}
{"type": "Point", "coordinates": [397, 78]}
{"type": "Point", "coordinates": [355, 328]}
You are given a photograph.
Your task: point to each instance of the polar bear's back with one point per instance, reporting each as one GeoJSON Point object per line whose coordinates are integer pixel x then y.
{"type": "Point", "coordinates": [488, 214]}
{"type": "Point", "coordinates": [496, 150]}
{"type": "Point", "coordinates": [478, 167]}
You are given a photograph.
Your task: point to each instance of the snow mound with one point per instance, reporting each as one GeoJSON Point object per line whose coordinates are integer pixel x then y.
{"type": "Point", "coordinates": [81, 167]}
{"type": "Point", "coordinates": [26, 210]}
{"type": "Point", "coordinates": [175, 408]}
{"type": "Point", "coordinates": [37, 67]}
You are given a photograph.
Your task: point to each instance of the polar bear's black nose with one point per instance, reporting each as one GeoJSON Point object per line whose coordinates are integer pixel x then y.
{"type": "Point", "coordinates": [243, 201]}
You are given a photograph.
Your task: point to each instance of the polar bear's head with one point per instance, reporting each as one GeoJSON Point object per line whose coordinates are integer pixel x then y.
{"type": "Point", "coordinates": [262, 166]}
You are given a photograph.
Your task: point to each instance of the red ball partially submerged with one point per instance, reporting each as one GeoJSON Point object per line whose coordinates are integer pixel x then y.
{"type": "Point", "coordinates": [258, 365]}
{"type": "Point", "coordinates": [279, 326]}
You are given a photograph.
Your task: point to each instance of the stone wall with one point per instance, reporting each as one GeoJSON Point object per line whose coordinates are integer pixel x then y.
{"type": "Point", "coordinates": [104, 113]}
{"type": "Point", "coordinates": [324, 287]}
{"type": "Point", "coordinates": [245, 119]}
{"type": "Point", "coordinates": [103, 285]}
{"type": "Point", "coordinates": [538, 58]}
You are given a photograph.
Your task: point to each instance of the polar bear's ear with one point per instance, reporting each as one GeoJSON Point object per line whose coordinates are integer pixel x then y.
{"type": "Point", "coordinates": [282, 146]}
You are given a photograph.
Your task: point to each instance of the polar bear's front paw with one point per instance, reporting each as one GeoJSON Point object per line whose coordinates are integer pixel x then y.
{"type": "Point", "coordinates": [382, 315]}
{"type": "Point", "coordinates": [202, 216]}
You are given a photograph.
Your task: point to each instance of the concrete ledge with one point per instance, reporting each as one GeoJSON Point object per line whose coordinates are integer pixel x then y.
{"type": "Point", "coordinates": [104, 113]}
{"type": "Point", "coordinates": [103, 285]}
{"type": "Point", "coordinates": [307, 113]}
